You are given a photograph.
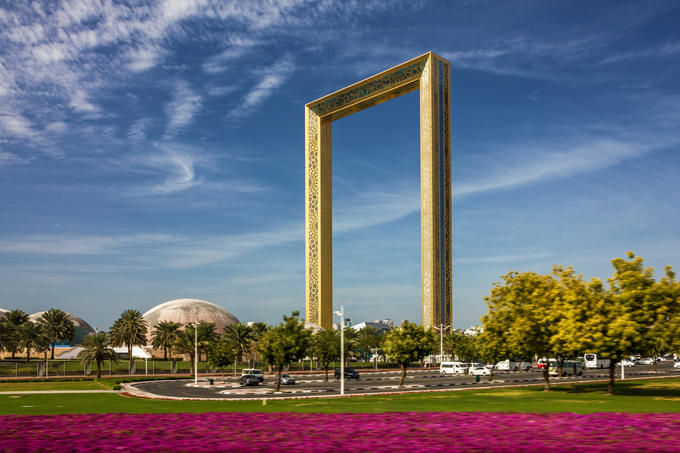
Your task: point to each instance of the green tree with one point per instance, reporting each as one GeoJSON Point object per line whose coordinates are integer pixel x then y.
{"type": "Point", "coordinates": [184, 344]}
{"type": "Point", "coordinates": [351, 344]}
{"type": "Point", "coordinates": [407, 344]}
{"type": "Point", "coordinates": [621, 320]}
{"type": "Point", "coordinates": [367, 338]}
{"type": "Point", "coordinates": [241, 337]}
{"type": "Point", "coordinates": [221, 353]}
{"type": "Point", "coordinates": [97, 348]}
{"type": "Point", "coordinates": [207, 336]}
{"type": "Point", "coordinates": [461, 345]}
{"type": "Point", "coordinates": [492, 346]}
{"type": "Point", "coordinates": [164, 336]}
{"type": "Point", "coordinates": [522, 308]}
{"type": "Point", "coordinates": [31, 337]}
{"type": "Point", "coordinates": [15, 320]}
{"type": "Point", "coordinates": [664, 301]}
{"type": "Point", "coordinates": [285, 343]}
{"type": "Point", "coordinates": [326, 348]}
{"type": "Point", "coordinates": [57, 326]}
{"type": "Point", "coordinates": [129, 330]}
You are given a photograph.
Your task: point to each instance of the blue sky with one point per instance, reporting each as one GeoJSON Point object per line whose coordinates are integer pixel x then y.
{"type": "Point", "coordinates": [154, 150]}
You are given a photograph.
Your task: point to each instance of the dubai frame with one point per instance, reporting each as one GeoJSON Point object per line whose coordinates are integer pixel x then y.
{"type": "Point", "coordinates": [430, 74]}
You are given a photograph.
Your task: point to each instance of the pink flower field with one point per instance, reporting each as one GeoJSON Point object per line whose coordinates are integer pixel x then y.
{"type": "Point", "coordinates": [421, 431]}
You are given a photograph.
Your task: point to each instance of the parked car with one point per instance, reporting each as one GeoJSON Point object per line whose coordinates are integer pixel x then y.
{"type": "Point", "coordinates": [287, 379]}
{"type": "Point", "coordinates": [254, 372]}
{"type": "Point", "coordinates": [249, 379]}
{"type": "Point", "coordinates": [350, 373]}
{"type": "Point", "coordinates": [646, 361]}
{"type": "Point", "coordinates": [453, 368]}
{"type": "Point", "coordinates": [626, 362]}
{"type": "Point", "coordinates": [479, 371]}
{"type": "Point", "coordinates": [676, 364]}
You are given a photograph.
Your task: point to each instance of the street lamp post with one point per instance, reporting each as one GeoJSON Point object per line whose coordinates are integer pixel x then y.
{"type": "Point", "coordinates": [441, 340]}
{"type": "Point", "coordinates": [195, 348]}
{"type": "Point", "coordinates": [341, 313]}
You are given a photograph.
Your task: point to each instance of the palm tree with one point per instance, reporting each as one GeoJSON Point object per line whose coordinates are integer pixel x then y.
{"type": "Point", "coordinates": [129, 330]}
{"type": "Point", "coordinates": [207, 336]}
{"type": "Point", "coordinates": [14, 320]}
{"type": "Point", "coordinates": [96, 346]}
{"type": "Point", "coordinates": [184, 343]}
{"type": "Point", "coordinates": [164, 336]}
{"type": "Point", "coordinates": [57, 326]}
{"type": "Point", "coordinates": [31, 337]}
{"type": "Point", "coordinates": [240, 336]}
{"type": "Point", "coordinates": [368, 338]}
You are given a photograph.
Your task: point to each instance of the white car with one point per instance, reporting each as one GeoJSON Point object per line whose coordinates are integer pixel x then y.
{"type": "Point", "coordinates": [479, 371]}
{"type": "Point", "coordinates": [626, 362]}
{"type": "Point", "coordinates": [676, 365]}
{"type": "Point", "coordinates": [646, 361]}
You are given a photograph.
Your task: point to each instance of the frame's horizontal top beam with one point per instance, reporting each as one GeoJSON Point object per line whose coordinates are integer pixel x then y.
{"type": "Point", "coordinates": [366, 93]}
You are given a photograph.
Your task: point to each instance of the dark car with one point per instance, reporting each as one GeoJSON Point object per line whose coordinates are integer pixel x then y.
{"type": "Point", "coordinates": [350, 373]}
{"type": "Point", "coordinates": [249, 379]}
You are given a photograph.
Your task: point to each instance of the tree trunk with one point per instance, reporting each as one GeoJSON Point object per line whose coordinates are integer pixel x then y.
{"type": "Point", "coordinates": [326, 368]}
{"type": "Point", "coordinates": [560, 366]}
{"type": "Point", "coordinates": [279, 369]}
{"type": "Point", "coordinates": [165, 353]}
{"type": "Point", "coordinates": [28, 355]}
{"type": "Point", "coordinates": [612, 376]}
{"type": "Point", "coordinates": [655, 365]}
{"type": "Point", "coordinates": [130, 359]}
{"type": "Point", "coordinates": [14, 353]}
{"type": "Point", "coordinates": [52, 358]}
{"type": "Point", "coordinates": [403, 375]}
{"type": "Point", "coordinates": [546, 378]}
{"type": "Point", "coordinates": [491, 372]}
{"type": "Point", "coordinates": [99, 369]}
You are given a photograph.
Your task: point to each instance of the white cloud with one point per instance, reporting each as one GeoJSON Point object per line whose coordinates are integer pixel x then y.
{"type": "Point", "coordinates": [80, 102]}
{"type": "Point", "coordinates": [15, 125]}
{"type": "Point", "coordinates": [540, 163]}
{"type": "Point", "coordinates": [174, 165]}
{"type": "Point", "coordinates": [270, 79]}
{"type": "Point", "coordinates": [184, 105]}
{"type": "Point", "coordinates": [669, 49]}
{"type": "Point", "coordinates": [79, 244]}
{"type": "Point", "coordinates": [7, 158]}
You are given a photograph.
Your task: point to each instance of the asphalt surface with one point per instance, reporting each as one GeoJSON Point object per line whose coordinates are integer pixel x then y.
{"type": "Point", "coordinates": [370, 382]}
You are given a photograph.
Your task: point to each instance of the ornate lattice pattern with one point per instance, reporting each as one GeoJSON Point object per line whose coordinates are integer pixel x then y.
{"type": "Point", "coordinates": [369, 88]}
{"type": "Point", "coordinates": [313, 181]}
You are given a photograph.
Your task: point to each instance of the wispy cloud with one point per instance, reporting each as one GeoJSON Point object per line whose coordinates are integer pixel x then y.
{"type": "Point", "coordinates": [174, 164]}
{"type": "Point", "coordinates": [544, 162]}
{"type": "Point", "coordinates": [78, 244]}
{"type": "Point", "coordinates": [669, 49]}
{"type": "Point", "coordinates": [15, 125]}
{"type": "Point", "coordinates": [185, 104]}
{"type": "Point", "coordinates": [269, 79]}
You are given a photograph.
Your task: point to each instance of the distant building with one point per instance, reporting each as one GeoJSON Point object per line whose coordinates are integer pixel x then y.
{"type": "Point", "coordinates": [473, 330]}
{"type": "Point", "coordinates": [381, 325]}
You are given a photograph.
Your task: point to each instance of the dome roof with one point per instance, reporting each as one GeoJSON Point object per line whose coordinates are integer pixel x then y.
{"type": "Point", "coordinates": [3, 311]}
{"type": "Point", "coordinates": [77, 322]}
{"type": "Point", "coordinates": [186, 311]}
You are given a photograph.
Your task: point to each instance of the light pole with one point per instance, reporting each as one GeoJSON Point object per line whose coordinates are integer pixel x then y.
{"type": "Point", "coordinates": [441, 340]}
{"type": "Point", "coordinates": [341, 313]}
{"type": "Point", "coordinates": [195, 348]}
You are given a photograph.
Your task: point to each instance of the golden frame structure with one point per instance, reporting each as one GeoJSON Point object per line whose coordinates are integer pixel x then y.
{"type": "Point", "coordinates": [430, 74]}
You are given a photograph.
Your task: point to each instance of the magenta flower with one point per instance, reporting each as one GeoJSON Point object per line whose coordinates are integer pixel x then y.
{"type": "Point", "coordinates": [404, 431]}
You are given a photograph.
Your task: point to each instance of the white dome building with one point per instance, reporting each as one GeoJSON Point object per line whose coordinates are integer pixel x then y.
{"type": "Point", "coordinates": [2, 312]}
{"type": "Point", "coordinates": [82, 328]}
{"type": "Point", "coordinates": [187, 311]}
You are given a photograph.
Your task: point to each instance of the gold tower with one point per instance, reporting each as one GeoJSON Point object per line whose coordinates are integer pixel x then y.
{"type": "Point", "coordinates": [429, 73]}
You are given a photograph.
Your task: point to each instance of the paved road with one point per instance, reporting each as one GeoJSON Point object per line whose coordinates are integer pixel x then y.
{"type": "Point", "coordinates": [371, 382]}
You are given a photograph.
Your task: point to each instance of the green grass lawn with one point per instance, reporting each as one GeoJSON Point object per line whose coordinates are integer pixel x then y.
{"type": "Point", "coordinates": [53, 385]}
{"type": "Point", "coordinates": [632, 396]}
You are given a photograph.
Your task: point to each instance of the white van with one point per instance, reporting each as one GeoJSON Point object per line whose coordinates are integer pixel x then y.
{"type": "Point", "coordinates": [513, 365]}
{"type": "Point", "coordinates": [254, 372]}
{"type": "Point", "coordinates": [446, 368]}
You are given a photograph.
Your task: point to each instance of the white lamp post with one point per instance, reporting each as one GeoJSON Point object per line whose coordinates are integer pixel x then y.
{"type": "Point", "coordinates": [341, 313]}
{"type": "Point", "coordinates": [441, 340]}
{"type": "Point", "coordinates": [195, 348]}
